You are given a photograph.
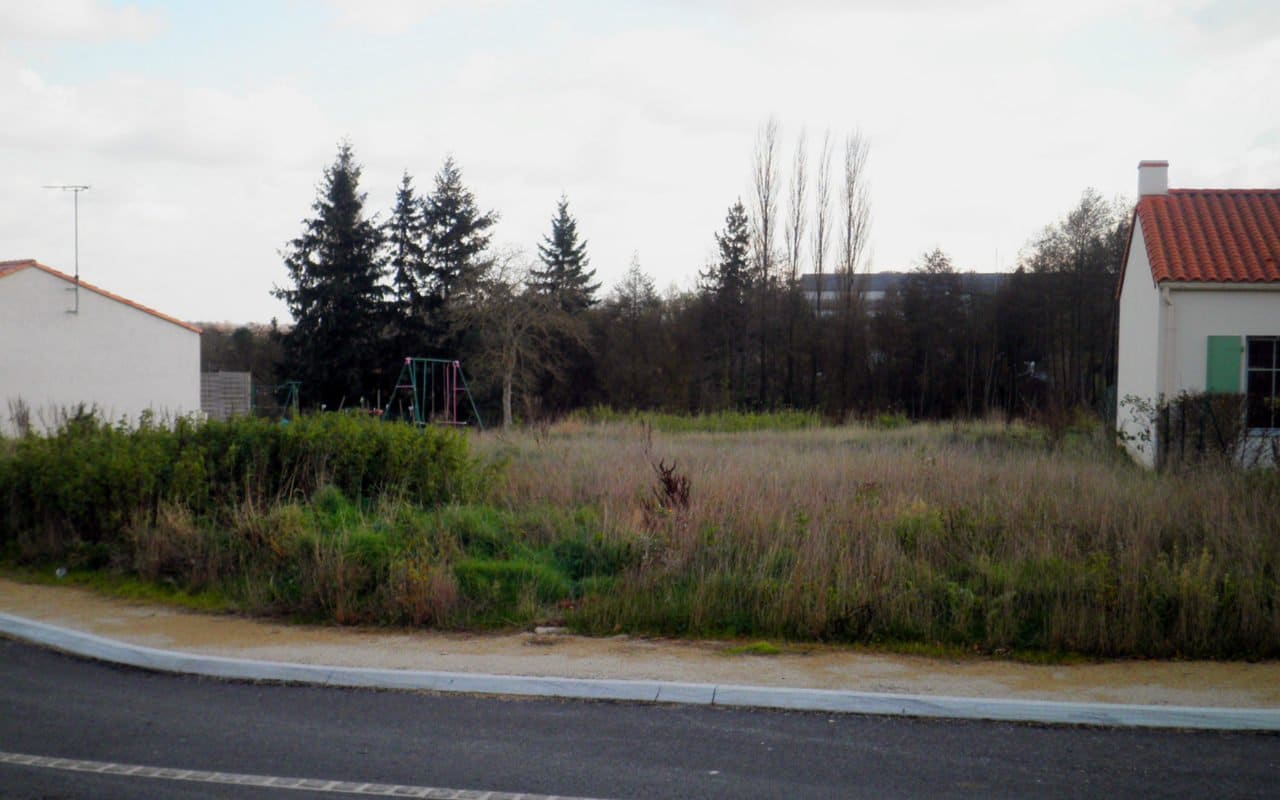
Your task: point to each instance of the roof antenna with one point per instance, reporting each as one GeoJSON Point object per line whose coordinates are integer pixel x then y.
{"type": "Point", "coordinates": [75, 189]}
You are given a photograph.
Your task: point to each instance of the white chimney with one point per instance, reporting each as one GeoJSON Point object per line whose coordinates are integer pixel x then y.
{"type": "Point", "coordinates": [1153, 178]}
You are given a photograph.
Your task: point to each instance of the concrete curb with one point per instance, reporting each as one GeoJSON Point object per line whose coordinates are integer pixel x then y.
{"type": "Point", "coordinates": [1041, 711]}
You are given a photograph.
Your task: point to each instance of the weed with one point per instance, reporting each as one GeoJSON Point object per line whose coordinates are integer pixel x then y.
{"type": "Point", "coordinates": [755, 649]}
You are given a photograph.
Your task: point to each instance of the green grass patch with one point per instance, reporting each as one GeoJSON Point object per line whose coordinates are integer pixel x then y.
{"type": "Point", "coordinates": [760, 648]}
{"type": "Point", "coordinates": [124, 587]}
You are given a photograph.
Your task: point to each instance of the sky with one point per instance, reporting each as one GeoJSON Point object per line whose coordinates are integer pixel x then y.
{"type": "Point", "coordinates": [204, 128]}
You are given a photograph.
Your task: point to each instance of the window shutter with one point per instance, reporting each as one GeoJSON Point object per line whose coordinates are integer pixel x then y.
{"type": "Point", "coordinates": [1223, 373]}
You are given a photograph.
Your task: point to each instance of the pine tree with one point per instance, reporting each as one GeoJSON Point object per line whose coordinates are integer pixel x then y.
{"type": "Point", "coordinates": [338, 295]}
{"type": "Point", "coordinates": [457, 233]}
{"type": "Point", "coordinates": [729, 278]}
{"type": "Point", "coordinates": [564, 274]}
{"type": "Point", "coordinates": [634, 318]}
{"type": "Point", "coordinates": [725, 285]}
{"type": "Point", "coordinates": [404, 236]}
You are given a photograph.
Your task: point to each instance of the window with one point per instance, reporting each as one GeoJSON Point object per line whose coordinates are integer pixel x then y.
{"type": "Point", "coordinates": [1263, 381]}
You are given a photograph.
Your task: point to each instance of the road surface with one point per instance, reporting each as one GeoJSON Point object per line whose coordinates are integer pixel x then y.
{"type": "Point", "coordinates": [161, 727]}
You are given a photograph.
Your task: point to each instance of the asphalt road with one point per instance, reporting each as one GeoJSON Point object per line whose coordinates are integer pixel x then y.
{"type": "Point", "coordinates": [55, 706]}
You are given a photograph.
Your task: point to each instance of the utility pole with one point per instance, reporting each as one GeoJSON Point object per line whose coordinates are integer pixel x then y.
{"type": "Point", "coordinates": [75, 189]}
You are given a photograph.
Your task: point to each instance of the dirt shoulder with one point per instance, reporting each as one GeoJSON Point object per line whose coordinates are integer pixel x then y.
{"type": "Point", "coordinates": [1189, 683]}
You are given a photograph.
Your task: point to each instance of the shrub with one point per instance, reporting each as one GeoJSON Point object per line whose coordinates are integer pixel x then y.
{"type": "Point", "coordinates": [581, 556]}
{"type": "Point", "coordinates": [507, 591]}
{"type": "Point", "coordinates": [89, 480]}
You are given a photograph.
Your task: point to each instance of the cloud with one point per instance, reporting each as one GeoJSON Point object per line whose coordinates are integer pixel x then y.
{"type": "Point", "coordinates": [74, 20]}
{"type": "Point", "coordinates": [986, 120]}
{"type": "Point", "coordinates": [395, 17]}
{"type": "Point", "coordinates": [150, 119]}
{"type": "Point", "coordinates": [194, 188]}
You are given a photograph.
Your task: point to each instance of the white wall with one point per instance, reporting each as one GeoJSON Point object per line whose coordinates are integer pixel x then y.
{"type": "Point", "coordinates": [110, 354]}
{"type": "Point", "coordinates": [1138, 355]}
{"type": "Point", "coordinates": [1196, 314]}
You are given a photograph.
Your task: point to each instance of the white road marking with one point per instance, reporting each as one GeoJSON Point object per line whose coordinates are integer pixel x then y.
{"type": "Point", "coordinates": [267, 781]}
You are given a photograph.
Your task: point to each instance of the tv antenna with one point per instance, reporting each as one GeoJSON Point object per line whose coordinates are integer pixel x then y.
{"type": "Point", "coordinates": [75, 189]}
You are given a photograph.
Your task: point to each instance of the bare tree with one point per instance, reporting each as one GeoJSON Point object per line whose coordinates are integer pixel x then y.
{"type": "Point", "coordinates": [765, 188]}
{"type": "Point", "coordinates": [516, 325]}
{"type": "Point", "coordinates": [855, 226]}
{"type": "Point", "coordinates": [797, 215]}
{"type": "Point", "coordinates": [856, 208]}
{"type": "Point", "coordinates": [818, 247]}
{"type": "Point", "coordinates": [765, 191]}
{"type": "Point", "coordinates": [822, 217]}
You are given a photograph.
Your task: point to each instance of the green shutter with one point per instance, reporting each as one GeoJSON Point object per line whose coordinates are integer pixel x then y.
{"type": "Point", "coordinates": [1223, 374]}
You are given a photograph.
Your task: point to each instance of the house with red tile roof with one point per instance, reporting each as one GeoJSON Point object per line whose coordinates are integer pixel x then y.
{"type": "Point", "coordinates": [1199, 302]}
{"type": "Point", "coordinates": [66, 343]}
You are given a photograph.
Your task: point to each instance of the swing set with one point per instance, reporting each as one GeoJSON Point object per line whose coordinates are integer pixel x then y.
{"type": "Point", "coordinates": [432, 391]}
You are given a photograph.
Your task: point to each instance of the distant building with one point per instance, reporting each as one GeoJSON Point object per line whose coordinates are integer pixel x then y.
{"type": "Point", "coordinates": [68, 343]}
{"type": "Point", "coordinates": [873, 286]}
{"type": "Point", "coordinates": [1199, 302]}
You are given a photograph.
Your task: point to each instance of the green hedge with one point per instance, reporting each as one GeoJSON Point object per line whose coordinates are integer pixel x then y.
{"type": "Point", "coordinates": [93, 479]}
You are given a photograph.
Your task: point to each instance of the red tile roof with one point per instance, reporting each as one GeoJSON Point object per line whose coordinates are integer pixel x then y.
{"type": "Point", "coordinates": [10, 267]}
{"type": "Point", "coordinates": [1212, 235]}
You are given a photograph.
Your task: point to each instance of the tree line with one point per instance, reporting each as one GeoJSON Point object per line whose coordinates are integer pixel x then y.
{"type": "Point", "coordinates": [539, 339]}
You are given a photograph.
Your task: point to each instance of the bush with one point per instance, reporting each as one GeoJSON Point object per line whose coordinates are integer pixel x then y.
{"type": "Point", "coordinates": [1196, 429]}
{"type": "Point", "coordinates": [508, 591]}
{"type": "Point", "coordinates": [1207, 428]}
{"type": "Point", "coordinates": [89, 480]}
{"type": "Point", "coordinates": [333, 517]}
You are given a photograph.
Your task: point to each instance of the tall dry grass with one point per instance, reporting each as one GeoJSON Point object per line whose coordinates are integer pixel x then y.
{"type": "Point", "coordinates": [975, 534]}
{"type": "Point", "coordinates": [979, 535]}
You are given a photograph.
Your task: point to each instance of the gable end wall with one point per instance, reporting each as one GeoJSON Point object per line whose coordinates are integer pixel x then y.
{"type": "Point", "coordinates": [110, 354]}
{"type": "Point", "coordinates": [1138, 356]}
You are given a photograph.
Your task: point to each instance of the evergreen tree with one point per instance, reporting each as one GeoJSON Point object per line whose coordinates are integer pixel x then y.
{"type": "Point", "coordinates": [565, 281]}
{"type": "Point", "coordinates": [633, 338]}
{"type": "Point", "coordinates": [729, 278]}
{"type": "Point", "coordinates": [457, 234]}
{"type": "Point", "coordinates": [725, 285]}
{"type": "Point", "coordinates": [338, 295]}
{"type": "Point", "coordinates": [404, 236]}
{"type": "Point", "coordinates": [564, 274]}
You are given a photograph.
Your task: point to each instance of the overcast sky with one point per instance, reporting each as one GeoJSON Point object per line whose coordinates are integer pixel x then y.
{"type": "Point", "coordinates": [204, 127]}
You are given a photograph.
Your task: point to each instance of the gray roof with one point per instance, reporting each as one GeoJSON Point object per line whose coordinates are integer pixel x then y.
{"type": "Point", "coordinates": [972, 282]}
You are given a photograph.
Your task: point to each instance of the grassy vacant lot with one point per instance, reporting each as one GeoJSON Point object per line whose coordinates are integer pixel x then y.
{"type": "Point", "coordinates": [976, 536]}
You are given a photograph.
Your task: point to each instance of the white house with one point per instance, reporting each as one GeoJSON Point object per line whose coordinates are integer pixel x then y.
{"type": "Point", "coordinates": [1199, 300]}
{"type": "Point", "coordinates": [64, 342]}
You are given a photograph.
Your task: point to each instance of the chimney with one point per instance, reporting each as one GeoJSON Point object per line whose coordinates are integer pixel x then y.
{"type": "Point", "coordinates": [1153, 178]}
